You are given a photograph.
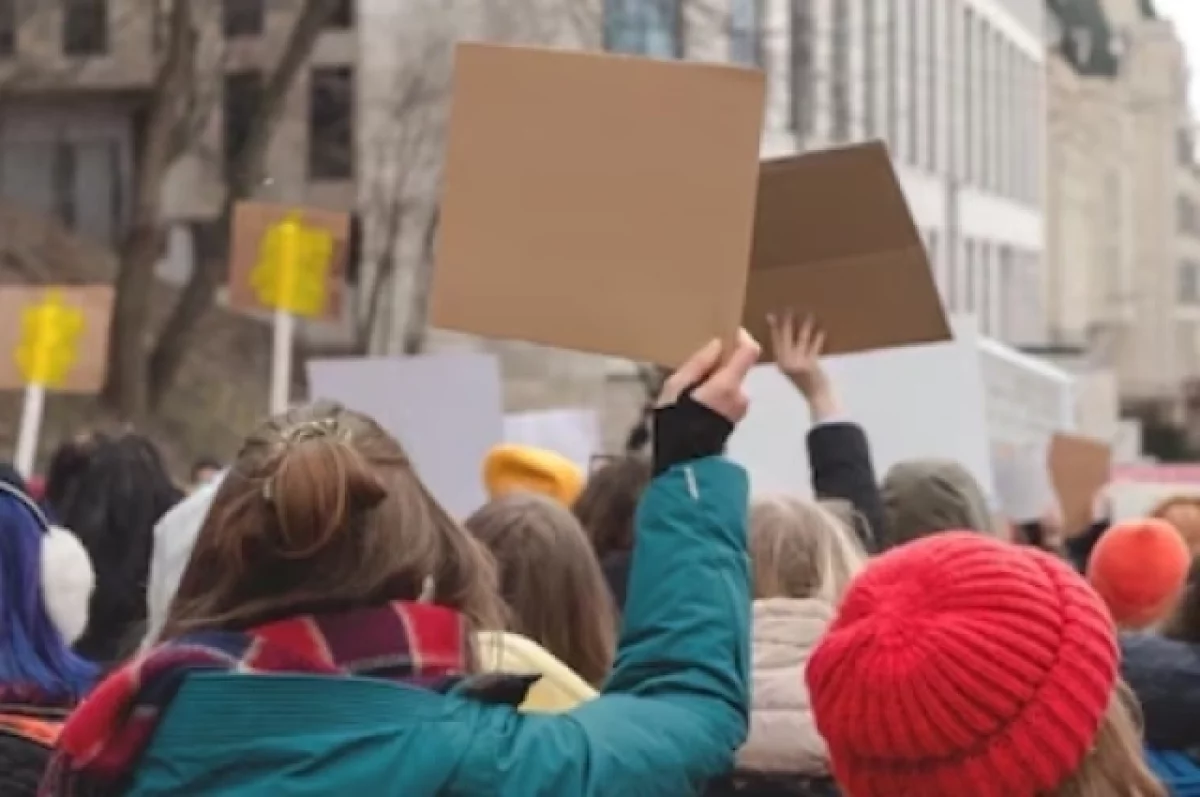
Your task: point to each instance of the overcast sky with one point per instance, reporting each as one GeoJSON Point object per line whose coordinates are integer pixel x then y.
{"type": "Point", "coordinates": [1186, 14]}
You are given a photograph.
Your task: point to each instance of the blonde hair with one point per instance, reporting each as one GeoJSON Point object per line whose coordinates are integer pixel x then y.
{"type": "Point", "coordinates": [799, 549]}
{"type": "Point", "coordinates": [1182, 512]}
{"type": "Point", "coordinates": [1116, 765]}
{"type": "Point", "coordinates": [551, 580]}
{"type": "Point", "coordinates": [322, 510]}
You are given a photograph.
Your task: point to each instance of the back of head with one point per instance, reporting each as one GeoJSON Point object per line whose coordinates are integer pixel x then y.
{"type": "Point", "coordinates": [609, 502]}
{"type": "Point", "coordinates": [923, 497]}
{"type": "Point", "coordinates": [1140, 568]}
{"type": "Point", "coordinates": [551, 580]}
{"type": "Point", "coordinates": [799, 549]}
{"type": "Point", "coordinates": [118, 490]}
{"type": "Point", "coordinates": [323, 511]}
{"type": "Point", "coordinates": [36, 663]}
{"type": "Point", "coordinates": [1182, 512]}
{"type": "Point", "coordinates": [513, 468]}
{"type": "Point", "coordinates": [953, 662]}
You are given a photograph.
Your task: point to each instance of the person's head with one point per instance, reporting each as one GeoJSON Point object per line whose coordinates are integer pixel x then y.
{"type": "Point", "coordinates": [799, 549]}
{"type": "Point", "coordinates": [960, 664]}
{"type": "Point", "coordinates": [609, 501]}
{"type": "Point", "coordinates": [1184, 622]}
{"type": "Point", "coordinates": [926, 496]}
{"type": "Point", "coordinates": [513, 468]}
{"type": "Point", "coordinates": [1182, 512]}
{"type": "Point", "coordinates": [551, 580]}
{"type": "Point", "coordinates": [204, 470]}
{"type": "Point", "coordinates": [118, 490]}
{"type": "Point", "coordinates": [1140, 569]}
{"type": "Point", "coordinates": [322, 510]}
{"type": "Point", "coordinates": [39, 570]}
{"type": "Point", "coordinates": [67, 466]}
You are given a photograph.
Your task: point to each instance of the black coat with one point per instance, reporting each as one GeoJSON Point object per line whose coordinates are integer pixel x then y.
{"type": "Point", "coordinates": [1165, 676]}
{"type": "Point", "coordinates": [751, 785]}
{"type": "Point", "coordinates": [839, 459]}
{"type": "Point", "coordinates": [23, 758]}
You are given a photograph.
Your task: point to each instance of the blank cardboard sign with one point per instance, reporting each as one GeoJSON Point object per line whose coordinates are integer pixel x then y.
{"type": "Point", "coordinates": [91, 357]}
{"type": "Point", "coordinates": [1079, 466]}
{"type": "Point", "coordinates": [833, 237]}
{"type": "Point", "coordinates": [599, 203]}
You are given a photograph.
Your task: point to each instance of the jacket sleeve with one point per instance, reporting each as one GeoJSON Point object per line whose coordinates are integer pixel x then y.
{"type": "Point", "coordinates": [840, 461]}
{"type": "Point", "coordinates": [674, 711]}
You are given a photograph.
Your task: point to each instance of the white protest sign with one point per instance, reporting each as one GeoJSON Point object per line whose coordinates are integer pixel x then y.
{"type": "Point", "coordinates": [913, 402]}
{"type": "Point", "coordinates": [1024, 487]}
{"type": "Point", "coordinates": [573, 433]}
{"type": "Point", "coordinates": [445, 409]}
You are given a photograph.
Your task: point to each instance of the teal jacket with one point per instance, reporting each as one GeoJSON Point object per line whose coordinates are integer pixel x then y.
{"type": "Point", "coordinates": [671, 716]}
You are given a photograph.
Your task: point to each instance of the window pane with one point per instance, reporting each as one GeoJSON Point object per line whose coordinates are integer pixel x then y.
{"type": "Point", "coordinates": [745, 32]}
{"type": "Point", "coordinates": [8, 27]}
{"type": "Point", "coordinates": [643, 27]}
{"type": "Point", "coordinates": [870, 80]}
{"type": "Point", "coordinates": [243, 93]}
{"type": "Point", "coordinates": [933, 46]}
{"type": "Point", "coordinates": [331, 124]}
{"type": "Point", "coordinates": [970, 61]}
{"type": "Point", "coordinates": [85, 27]}
{"type": "Point", "coordinates": [242, 17]}
{"type": "Point", "coordinates": [343, 15]}
{"type": "Point", "coordinates": [803, 76]}
{"type": "Point", "coordinates": [912, 108]}
{"type": "Point", "coordinates": [840, 88]}
{"type": "Point", "coordinates": [891, 70]}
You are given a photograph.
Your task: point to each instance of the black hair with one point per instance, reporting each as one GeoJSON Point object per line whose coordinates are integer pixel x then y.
{"type": "Point", "coordinates": [112, 491]}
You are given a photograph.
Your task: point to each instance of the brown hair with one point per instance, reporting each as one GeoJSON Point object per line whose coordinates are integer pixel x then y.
{"type": "Point", "coordinates": [1182, 512]}
{"type": "Point", "coordinates": [799, 549]}
{"type": "Point", "coordinates": [321, 511]}
{"type": "Point", "coordinates": [1115, 766]}
{"type": "Point", "coordinates": [609, 501]}
{"type": "Point", "coordinates": [551, 580]}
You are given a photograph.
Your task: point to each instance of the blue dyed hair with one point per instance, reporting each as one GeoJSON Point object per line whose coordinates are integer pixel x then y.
{"type": "Point", "coordinates": [33, 653]}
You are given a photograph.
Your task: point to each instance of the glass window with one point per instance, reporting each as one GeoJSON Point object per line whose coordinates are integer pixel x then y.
{"type": "Point", "coordinates": [343, 15]}
{"type": "Point", "coordinates": [242, 18]}
{"type": "Point", "coordinates": [933, 46]}
{"type": "Point", "coordinates": [644, 27]}
{"type": "Point", "coordinates": [803, 77]}
{"type": "Point", "coordinates": [870, 79]}
{"type": "Point", "coordinates": [8, 27]}
{"type": "Point", "coordinates": [331, 124]}
{"type": "Point", "coordinates": [1189, 282]}
{"type": "Point", "coordinates": [85, 27]}
{"type": "Point", "coordinates": [243, 93]}
{"type": "Point", "coordinates": [745, 32]}
{"type": "Point", "coordinates": [892, 65]}
{"type": "Point", "coordinates": [912, 108]}
{"type": "Point", "coordinates": [840, 67]}
{"type": "Point", "coordinates": [970, 64]}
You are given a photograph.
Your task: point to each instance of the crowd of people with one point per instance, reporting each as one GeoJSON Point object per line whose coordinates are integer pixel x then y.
{"type": "Point", "coordinates": [310, 621]}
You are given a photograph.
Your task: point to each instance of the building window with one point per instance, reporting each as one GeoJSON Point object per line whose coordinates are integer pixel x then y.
{"type": "Point", "coordinates": [8, 28]}
{"type": "Point", "coordinates": [85, 27]}
{"type": "Point", "coordinates": [933, 45]}
{"type": "Point", "coordinates": [1188, 213]}
{"type": "Point", "coordinates": [987, 119]}
{"type": "Point", "coordinates": [242, 18]}
{"type": "Point", "coordinates": [644, 27]}
{"type": "Point", "coordinates": [870, 79]}
{"type": "Point", "coordinates": [745, 32]}
{"type": "Point", "coordinates": [342, 16]}
{"type": "Point", "coordinates": [803, 76]}
{"type": "Point", "coordinates": [331, 124]}
{"type": "Point", "coordinates": [933, 246]}
{"type": "Point", "coordinates": [839, 86]}
{"type": "Point", "coordinates": [986, 317]}
{"type": "Point", "coordinates": [892, 64]}
{"type": "Point", "coordinates": [969, 278]}
{"type": "Point", "coordinates": [970, 59]}
{"type": "Point", "coordinates": [243, 93]}
{"type": "Point", "coordinates": [1189, 282]}
{"type": "Point", "coordinates": [912, 107]}
{"type": "Point", "coordinates": [64, 183]}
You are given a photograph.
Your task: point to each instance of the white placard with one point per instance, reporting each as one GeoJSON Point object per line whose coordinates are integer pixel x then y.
{"type": "Point", "coordinates": [913, 402]}
{"type": "Point", "coordinates": [445, 409]}
{"type": "Point", "coordinates": [1024, 486]}
{"type": "Point", "coordinates": [574, 433]}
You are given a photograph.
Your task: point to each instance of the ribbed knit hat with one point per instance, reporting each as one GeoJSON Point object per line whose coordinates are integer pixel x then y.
{"type": "Point", "coordinates": [508, 468]}
{"type": "Point", "coordinates": [962, 666]}
{"type": "Point", "coordinates": [1140, 568]}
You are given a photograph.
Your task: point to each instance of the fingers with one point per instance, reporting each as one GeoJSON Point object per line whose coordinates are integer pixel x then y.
{"type": "Point", "coordinates": [695, 369]}
{"type": "Point", "coordinates": [744, 357]}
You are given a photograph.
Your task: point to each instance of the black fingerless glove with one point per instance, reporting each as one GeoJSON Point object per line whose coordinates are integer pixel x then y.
{"type": "Point", "coordinates": [687, 430]}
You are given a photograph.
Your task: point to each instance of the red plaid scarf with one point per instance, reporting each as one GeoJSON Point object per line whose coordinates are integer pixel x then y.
{"type": "Point", "coordinates": [102, 741]}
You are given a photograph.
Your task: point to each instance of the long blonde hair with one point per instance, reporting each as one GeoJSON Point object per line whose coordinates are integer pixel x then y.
{"type": "Point", "coordinates": [551, 580]}
{"type": "Point", "coordinates": [799, 549]}
{"type": "Point", "coordinates": [1116, 765]}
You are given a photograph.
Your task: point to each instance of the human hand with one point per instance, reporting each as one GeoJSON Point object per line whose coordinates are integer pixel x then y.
{"type": "Point", "coordinates": [798, 348]}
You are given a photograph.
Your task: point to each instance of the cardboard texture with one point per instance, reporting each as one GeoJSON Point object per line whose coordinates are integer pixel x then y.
{"type": "Point", "coordinates": [597, 202]}
{"type": "Point", "coordinates": [91, 360]}
{"type": "Point", "coordinates": [833, 237]}
{"type": "Point", "coordinates": [1079, 466]}
{"type": "Point", "coordinates": [251, 220]}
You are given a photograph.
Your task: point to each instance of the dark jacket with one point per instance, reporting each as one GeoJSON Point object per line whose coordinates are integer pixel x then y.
{"type": "Point", "coordinates": [751, 785]}
{"type": "Point", "coordinates": [1165, 676]}
{"type": "Point", "coordinates": [840, 461]}
{"type": "Point", "coordinates": [26, 742]}
{"type": "Point", "coordinates": [1079, 549]}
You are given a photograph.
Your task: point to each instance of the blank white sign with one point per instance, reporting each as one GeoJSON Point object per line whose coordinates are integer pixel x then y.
{"type": "Point", "coordinates": [445, 409]}
{"type": "Point", "coordinates": [574, 433]}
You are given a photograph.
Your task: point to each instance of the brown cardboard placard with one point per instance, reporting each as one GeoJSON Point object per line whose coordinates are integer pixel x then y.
{"type": "Point", "coordinates": [91, 359]}
{"type": "Point", "coordinates": [252, 220]}
{"type": "Point", "coordinates": [1079, 466]}
{"type": "Point", "coordinates": [597, 202]}
{"type": "Point", "coordinates": [834, 238]}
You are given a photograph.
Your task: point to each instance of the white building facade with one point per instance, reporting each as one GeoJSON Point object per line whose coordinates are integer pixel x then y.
{"type": "Point", "coordinates": [956, 89]}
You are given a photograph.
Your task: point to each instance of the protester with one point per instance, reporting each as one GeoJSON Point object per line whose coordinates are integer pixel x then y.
{"type": "Point", "coordinates": [45, 584]}
{"type": "Point", "coordinates": [963, 665]}
{"type": "Point", "coordinates": [1140, 568]}
{"type": "Point", "coordinates": [315, 553]}
{"type": "Point", "coordinates": [511, 468]}
{"type": "Point", "coordinates": [927, 496]}
{"type": "Point", "coordinates": [204, 471]}
{"type": "Point", "coordinates": [803, 560]}
{"type": "Point", "coordinates": [606, 510]}
{"type": "Point", "coordinates": [550, 581]}
{"type": "Point", "coordinates": [111, 491]}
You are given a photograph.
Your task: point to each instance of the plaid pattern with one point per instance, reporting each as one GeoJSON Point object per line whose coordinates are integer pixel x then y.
{"type": "Point", "coordinates": [104, 737]}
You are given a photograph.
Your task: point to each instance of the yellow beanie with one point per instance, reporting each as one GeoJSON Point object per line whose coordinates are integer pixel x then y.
{"type": "Point", "coordinates": [509, 468]}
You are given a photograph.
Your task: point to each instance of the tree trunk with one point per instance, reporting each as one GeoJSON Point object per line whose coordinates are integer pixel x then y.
{"type": "Point", "coordinates": [126, 388]}
{"type": "Point", "coordinates": [246, 175]}
{"type": "Point", "coordinates": [416, 328]}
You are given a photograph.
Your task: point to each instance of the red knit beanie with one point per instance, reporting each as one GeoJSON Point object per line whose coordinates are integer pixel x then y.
{"type": "Point", "coordinates": [1140, 569]}
{"type": "Point", "coordinates": [962, 666]}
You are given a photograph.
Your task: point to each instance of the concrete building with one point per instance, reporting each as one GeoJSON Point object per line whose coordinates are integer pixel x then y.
{"type": "Point", "coordinates": [1120, 281]}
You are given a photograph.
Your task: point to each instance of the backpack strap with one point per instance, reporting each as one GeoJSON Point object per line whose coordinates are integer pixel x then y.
{"type": "Point", "coordinates": [38, 730]}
